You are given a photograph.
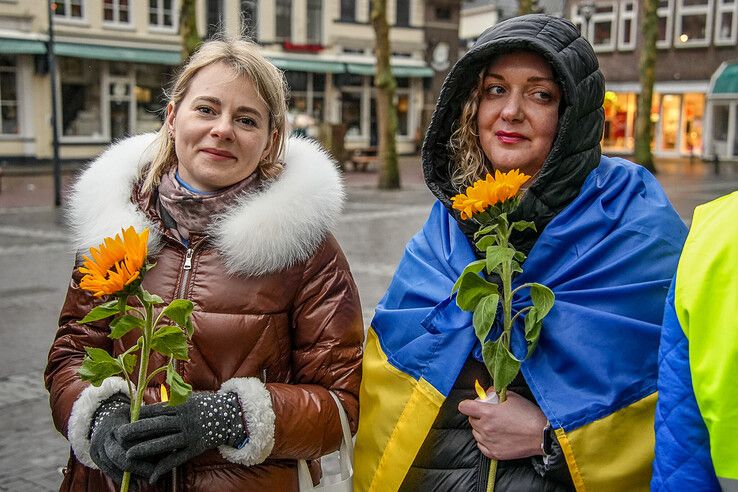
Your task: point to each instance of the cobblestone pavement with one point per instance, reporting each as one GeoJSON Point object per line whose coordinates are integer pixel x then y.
{"type": "Point", "coordinates": [35, 261]}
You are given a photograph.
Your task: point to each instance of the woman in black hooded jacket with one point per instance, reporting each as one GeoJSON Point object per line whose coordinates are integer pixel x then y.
{"type": "Point", "coordinates": [527, 96]}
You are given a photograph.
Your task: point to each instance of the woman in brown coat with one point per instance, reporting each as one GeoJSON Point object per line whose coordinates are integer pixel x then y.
{"type": "Point", "coordinates": [240, 223]}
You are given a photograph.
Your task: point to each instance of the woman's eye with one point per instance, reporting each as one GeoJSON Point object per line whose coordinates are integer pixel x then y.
{"type": "Point", "coordinates": [204, 110]}
{"type": "Point", "coordinates": [247, 121]}
{"type": "Point", "coordinates": [494, 90]}
{"type": "Point", "coordinates": [543, 96]}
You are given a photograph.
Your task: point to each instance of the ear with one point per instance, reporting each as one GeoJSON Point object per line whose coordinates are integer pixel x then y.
{"type": "Point", "coordinates": [270, 144]}
{"type": "Point", "coordinates": [171, 113]}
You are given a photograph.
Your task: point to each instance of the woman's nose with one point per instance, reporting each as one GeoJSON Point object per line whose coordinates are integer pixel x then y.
{"type": "Point", "coordinates": [222, 128]}
{"type": "Point", "coordinates": [513, 109]}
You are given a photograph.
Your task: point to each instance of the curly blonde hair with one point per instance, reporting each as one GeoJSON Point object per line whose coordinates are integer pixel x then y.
{"type": "Point", "coordinates": [243, 58]}
{"type": "Point", "coordinates": [468, 162]}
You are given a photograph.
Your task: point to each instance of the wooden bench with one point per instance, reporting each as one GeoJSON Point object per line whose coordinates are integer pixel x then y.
{"type": "Point", "coordinates": [362, 158]}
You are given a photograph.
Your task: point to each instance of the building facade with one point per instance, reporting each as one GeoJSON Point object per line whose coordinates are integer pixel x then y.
{"type": "Point", "coordinates": [695, 104]}
{"type": "Point", "coordinates": [116, 57]}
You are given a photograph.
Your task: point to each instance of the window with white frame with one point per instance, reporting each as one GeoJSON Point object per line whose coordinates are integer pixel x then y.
{"type": "Point", "coordinates": [116, 12]}
{"type": "Point", "coordinates": [601, 27]}
{"type": "Point", "coordinates": [9, 123]}
{"type": "Point", "coordinates": [665, 23]}
{"type": "Point", "coordinates": [348, 10]}
{"type": "Point", "coordinates": [314, 21]}
{"type": "Point", "coordinates": [162, 14]}
{"type": "Point", "coordinates": [214, 17]}
{"type": "Point", "coordinates": [250, 18]}
{"type": "Point", "coordinates": [726, 24]}
{"type": "Point", "coordinates": [627, 23]}
{"type": "Point", "coordinates": [70, 9]}
{"type": "Point", "coordinates": [403, 106]}
{"type": "Point", "coordinates": [307, 94]}
{"type": "Point", "coordinates": [693, 23]}
{"type": "Point", "coordinates": [402, 9]}
{"type": "Point", "coordinates": [283, 11]}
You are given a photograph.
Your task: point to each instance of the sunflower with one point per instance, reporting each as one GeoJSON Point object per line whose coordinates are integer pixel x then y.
{"type": "Point", "coordinates": [115, 264]}
{"type": "Point", "coordinates": [489, 191]}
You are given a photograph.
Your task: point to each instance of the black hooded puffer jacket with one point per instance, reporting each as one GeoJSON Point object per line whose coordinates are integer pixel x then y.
{"type": "Point", "coordinates": [449, 458]}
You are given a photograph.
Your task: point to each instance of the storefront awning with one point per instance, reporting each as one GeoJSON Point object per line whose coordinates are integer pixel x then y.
{"type": "Point", "coordinates": [316, 66]}
{"type": "Point", "coordinates": [10, 46]}
{"type": "Point", "coordinates": [114, 53]}
{"type": "Point", "coordinates": [727, 82]}
{"type": "Point", "coordinates": [397, 70]}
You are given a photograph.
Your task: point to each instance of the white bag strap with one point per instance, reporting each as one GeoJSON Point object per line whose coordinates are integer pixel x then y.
{"type": "Point", "coordinates": [345, 456]}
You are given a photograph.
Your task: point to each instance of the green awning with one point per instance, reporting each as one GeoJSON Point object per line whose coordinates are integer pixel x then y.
{"type": "Point", "coordinates": [114, 53]}
{"type": "Point", "coordinates": [10, 46]}
{"type": "Point", "coordinates": [316, 66]}
{"type": "Point", "coordinates": [397, 70]}
{"type": "Point", "coordinates": [727, 82]}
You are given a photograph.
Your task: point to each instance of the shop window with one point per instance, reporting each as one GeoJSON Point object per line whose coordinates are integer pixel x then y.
{"type": "Point", "coordinates": [348, 10]}
{"type": "Point", "coordinates": [627, 25]}
{"type": "Point", "coordinates": [403, 114]}
{"type": "Point", "coordinates": [665, 23]}
{"type": "Point", "coordinates": [283, 20]}
{"type": "Point", "coordinates": [726, 25]}
{"type": "Point", "coordinates": [693, 23]}
{"type": "Point", "coordinates": [116, 12]}
{"type": "Point", "coordinates": [402, 13]}
{"type": "Point", "coordinates": [80, 97]}
{"type": "Point", "coordinates": [70, 9]}
{"type": "Point", "coordinates": [314, 21]}
{"type": "Point", "coordinates": [620, 109]}
{"type": "Point", "coordinates": [9, 124]}
{"type": "Point", "coordinates": [692, 116]}
{"type": "Point", "coordinates": [150, 98]}
{"type": "Point", "coordinates": [162, 14]}
{"type": "Point", "coordinates": [250, 18]}
{"type": "Point", "coordinates": [669, 121]}
{"type": "Point", "coordinates": [307, 96]}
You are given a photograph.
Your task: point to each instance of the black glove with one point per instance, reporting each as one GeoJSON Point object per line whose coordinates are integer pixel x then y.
{"type": "Point", "coordinates": [105, 449]}
{"type": "Point", "coordinates": [205, 421]}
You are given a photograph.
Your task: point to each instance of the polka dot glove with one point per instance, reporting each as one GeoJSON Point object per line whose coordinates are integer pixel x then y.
{"type": "Point", "coordinates": [175, 434]}
{"type": "Point", "coordinates": [106, 450]}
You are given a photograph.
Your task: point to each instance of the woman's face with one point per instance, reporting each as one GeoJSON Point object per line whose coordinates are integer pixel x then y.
{"type": "Point", "coordinates": [518, 112]}
{"type": "Point", "coordinates": [220, 128]}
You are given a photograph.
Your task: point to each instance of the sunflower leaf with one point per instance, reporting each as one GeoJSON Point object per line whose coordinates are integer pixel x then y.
{"type": "Point", "coordinates": [522, 225]}
{"type": "Point", "coordinates": [506, 366]}
{"type": "Point", "coordinates": [179, 391]}
{"type": "Point", "coordinates": [496, 256]}
{"type": "Point", "coordinates": [543, 299]}
{"type": "Point", "coordinates": [472, 288]}
{"type": "Point", "coordinates": [180, 311]}
{"type": "Point", "coordinates": [474, 267]}
{"type": "Point", "coordinates": [100, 312]}
{"type": "Point", "coordinates": [532, 330]}
{"type": "Point", "coordinates": [484, 315]}
{"type": "Point", "coordinates": [98, 365]}
{"type": "Point", "coordinates": [122, 325]}
{"type": "Point", "coordinates": [171, 342]}
{"type": "Point", "coordinates": [127, 362]}
{"type": "Point", "coordinates": [152, 299]}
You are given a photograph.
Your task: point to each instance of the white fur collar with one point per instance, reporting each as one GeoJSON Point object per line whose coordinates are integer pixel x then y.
{"type": "Point", "coordinates": [264, 232]}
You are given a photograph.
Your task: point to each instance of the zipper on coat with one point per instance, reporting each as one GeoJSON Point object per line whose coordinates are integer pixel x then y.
{"type": "Point", "coordinates": [187, 271]}
{"type": "Point", "coordinates": [483, 468]}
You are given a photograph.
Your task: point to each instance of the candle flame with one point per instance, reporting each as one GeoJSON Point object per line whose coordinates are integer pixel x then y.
{"type": "Point", "coordinates": [164, 394]}
{"type": "Point", "coordinates": [480, 391]}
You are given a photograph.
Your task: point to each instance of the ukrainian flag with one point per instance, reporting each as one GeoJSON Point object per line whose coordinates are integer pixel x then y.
{"type": "Point", "coordinates": [609, 258]}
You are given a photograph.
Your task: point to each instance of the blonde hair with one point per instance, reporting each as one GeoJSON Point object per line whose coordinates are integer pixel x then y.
{"type": "Point", "coordinates": [243, 58]}
{"type": "Point", "coordinates": [467, 162]}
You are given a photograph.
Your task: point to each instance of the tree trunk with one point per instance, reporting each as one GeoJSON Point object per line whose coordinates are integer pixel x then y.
{"type": "Point", "coordinates": [526, 7]}
{"type": "Point", "coordinates": [188, 29]}
{"type": "Point", "coordinates": [384, 81]}
{"type": "Point", "coordinates": [644, 128]}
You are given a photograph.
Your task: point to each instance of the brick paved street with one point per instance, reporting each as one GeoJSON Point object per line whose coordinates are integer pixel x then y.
{"type": "Point", "coordinates": [35, 261]}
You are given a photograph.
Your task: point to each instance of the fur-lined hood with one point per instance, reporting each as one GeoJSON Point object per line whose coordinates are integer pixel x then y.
{"type": "Point", "coordinates": [263, 232]}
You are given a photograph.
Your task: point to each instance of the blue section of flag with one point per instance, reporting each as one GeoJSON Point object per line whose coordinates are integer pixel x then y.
{"type": "Point", "coordinates": [608, 257]}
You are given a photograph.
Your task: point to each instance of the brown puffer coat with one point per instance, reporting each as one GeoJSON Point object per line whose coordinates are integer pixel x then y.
{"type": "Point", "coordinates": [277, 314]}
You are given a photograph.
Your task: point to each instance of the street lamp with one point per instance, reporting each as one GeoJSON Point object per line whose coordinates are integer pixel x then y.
{"type": "Point", "coordinates": [52, 76]}
{"type": "Point", "coordinates": [587, 9]}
